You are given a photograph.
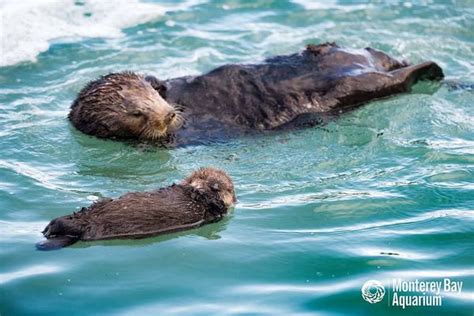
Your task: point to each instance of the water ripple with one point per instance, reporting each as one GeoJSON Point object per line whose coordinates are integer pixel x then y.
{"type": "Point", "coordinates": [428, 216]}
{"type": "Point", "coordinates": [325, 196]}
{"type": "Point", "coordinates": [28, 272]}
{"type": "Point", "coordinates": [382, 192]}
{"type": "Point", "coordinates": [43, 178]}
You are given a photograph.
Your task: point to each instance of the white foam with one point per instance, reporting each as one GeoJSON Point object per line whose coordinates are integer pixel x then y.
{"type": "Point", "coordinates": [330, 5]}
{"type": "Point", "coordinates": [28, 27]}
{"type": "Point", "coordinates": [21, 231]}
{"type": "Point", "coordinates": [28, 272]}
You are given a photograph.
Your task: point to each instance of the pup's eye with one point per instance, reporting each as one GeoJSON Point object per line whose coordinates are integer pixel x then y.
{"type": "Point", "coordinates": [137, 113]}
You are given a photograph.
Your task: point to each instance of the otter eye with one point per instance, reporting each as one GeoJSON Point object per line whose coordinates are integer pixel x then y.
{"type": "Point", "coordinates": [137, 113]}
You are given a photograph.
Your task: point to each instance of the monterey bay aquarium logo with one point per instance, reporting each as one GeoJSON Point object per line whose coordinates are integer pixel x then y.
{"type": "Point", "coordinates": [411, 293]}
{"type": "Point", "coordinates": [373, 291]}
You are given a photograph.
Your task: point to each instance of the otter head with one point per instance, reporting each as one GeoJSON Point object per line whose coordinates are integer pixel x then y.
{"type": "Point", "coordinates": [214, 182]}
{"type": "Point", "coordinates": [123, 105]}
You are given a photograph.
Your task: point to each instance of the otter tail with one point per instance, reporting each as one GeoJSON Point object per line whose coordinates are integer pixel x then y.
{"type": "Point", "coordinates": [56, 243]}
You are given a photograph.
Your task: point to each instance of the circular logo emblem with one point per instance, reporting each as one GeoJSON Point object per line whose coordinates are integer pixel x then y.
{"type": "Point", "coordinates": [373, 291]}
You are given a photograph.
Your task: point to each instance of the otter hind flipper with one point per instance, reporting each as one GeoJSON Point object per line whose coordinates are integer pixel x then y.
{"type": "Point", "coordinates": [56, 243]}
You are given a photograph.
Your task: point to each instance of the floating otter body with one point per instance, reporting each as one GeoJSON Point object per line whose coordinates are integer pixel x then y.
{"type": "Point", "coordinates": [204, 197]}
{"type": "Point", "coordinates": [232, 99]}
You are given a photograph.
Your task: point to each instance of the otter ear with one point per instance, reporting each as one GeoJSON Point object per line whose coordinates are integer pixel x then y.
{"type": "Point", "coordinates": [157, 84]}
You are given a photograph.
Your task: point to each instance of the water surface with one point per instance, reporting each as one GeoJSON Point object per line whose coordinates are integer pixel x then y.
{"type": "Point", "coordinates": [384, 192]}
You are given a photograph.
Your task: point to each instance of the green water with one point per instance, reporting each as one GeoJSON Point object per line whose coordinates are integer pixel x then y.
{"type": "Point", "coordinates": [384, 192]}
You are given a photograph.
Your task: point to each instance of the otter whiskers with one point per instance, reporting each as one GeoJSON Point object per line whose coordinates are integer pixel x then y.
{"type": "Point", "coordinates": [177, 122]}
{"type": "Point", "coordinates": [153, 133]}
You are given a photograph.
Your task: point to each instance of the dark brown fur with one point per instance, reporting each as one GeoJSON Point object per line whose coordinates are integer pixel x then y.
{"type": "Point", "coordinates": [202, 198]}
{"type": "Point", "coordinates": [233, 99]}
{"type": "Point", "coordinates": [123, 106]}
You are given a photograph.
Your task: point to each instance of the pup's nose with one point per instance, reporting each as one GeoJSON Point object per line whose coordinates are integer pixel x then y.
{"type": "Point", "coordinates": [170, 116]}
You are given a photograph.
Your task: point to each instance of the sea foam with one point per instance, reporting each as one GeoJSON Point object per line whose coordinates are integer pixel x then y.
{"type": "Point", "coordinates": [27, 28]}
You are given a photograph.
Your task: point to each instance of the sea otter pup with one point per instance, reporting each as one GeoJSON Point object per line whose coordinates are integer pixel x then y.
{"type": "Point", "coordinates": [233, 99]}
{"type": "Point", "coordinates": [203, 197]}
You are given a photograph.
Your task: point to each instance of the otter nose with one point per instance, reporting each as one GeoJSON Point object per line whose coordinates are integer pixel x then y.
{"type": "Point", "coordinates": [170, 116]}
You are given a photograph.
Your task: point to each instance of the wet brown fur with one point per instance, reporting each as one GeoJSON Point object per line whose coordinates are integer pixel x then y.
{"type": "Point", "coordinates": [204, 197]}
{"type": "Point", "coordinates": [123, 105]}
{"type": "Point", "coordinates": [234, 99]}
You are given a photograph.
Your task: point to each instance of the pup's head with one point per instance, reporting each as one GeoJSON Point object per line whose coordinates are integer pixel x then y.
{"type": "Point", "coordinates": [123, 105]}
{"type": "Point", "coordinates": [215, 182]}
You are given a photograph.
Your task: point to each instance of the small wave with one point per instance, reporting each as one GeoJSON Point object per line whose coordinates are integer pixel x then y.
{"type": "Point", "coordinates": [330, 5]}
{"type": "Point", "coordinates": [327, 196]}
{"type": "Point", "coordinates": [221, 308]}
{"type": "Point", "coordinates": [27, 272]}
{"type": "Point", "coordinates": [322, 289]}
{"type": "Point", "coordinates": [455, 213]}
{"type": "Point", "coordinates": [28, 27]}
{"type": "Point", "coordinates": [399, 253]}
{"type": "Point", "coordinates": [24, 231]}
{"type": "Point", "coordinates": [45, 179]}
{"type": "Point", "coordinates": [338, 285]}
{"type": "Point", "coordinates": [456, 145]}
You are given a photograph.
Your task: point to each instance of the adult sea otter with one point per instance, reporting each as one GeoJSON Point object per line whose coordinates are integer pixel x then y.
{"type": "Point", "coordinates": [242, 98]}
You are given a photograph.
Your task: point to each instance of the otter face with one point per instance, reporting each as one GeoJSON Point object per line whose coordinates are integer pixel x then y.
{"type": "Point", "coordinates": [213, 181]}
{"type": "Point", "coordinates": [123, 105]}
